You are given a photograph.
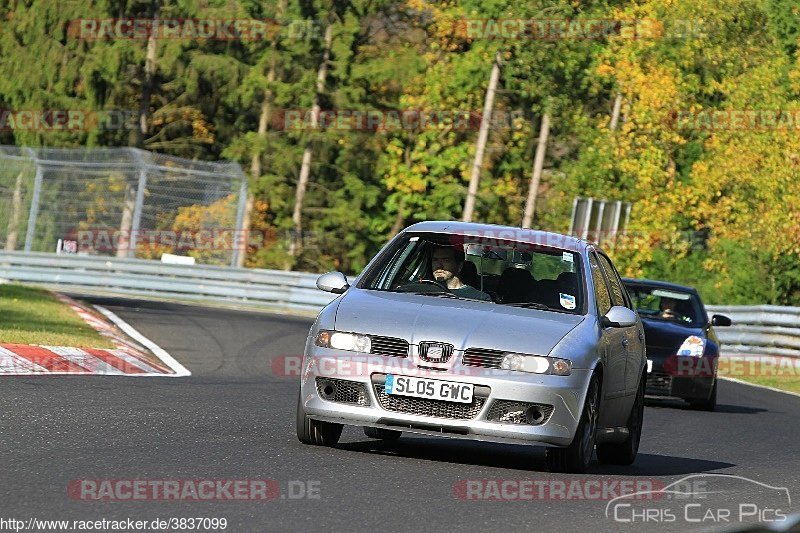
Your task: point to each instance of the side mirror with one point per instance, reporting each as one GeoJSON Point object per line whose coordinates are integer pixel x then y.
{"type": "Point", "coordinates": [619, 317]}
{"type": "Point", "coordinates": [334, 282]}
{"type": "Point", "coordinates": [720, 320]}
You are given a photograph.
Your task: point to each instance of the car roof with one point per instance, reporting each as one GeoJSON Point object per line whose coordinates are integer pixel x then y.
{"type": "Point", "coordinates": [496, 231]}
{"type": "Point", "coordinates": [659, 284]}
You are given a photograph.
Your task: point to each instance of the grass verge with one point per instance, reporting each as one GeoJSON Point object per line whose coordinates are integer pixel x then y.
{"type": "Point", "coordinates": [788, 383]}
{"type": "Point", "coordinates": [35, 316]}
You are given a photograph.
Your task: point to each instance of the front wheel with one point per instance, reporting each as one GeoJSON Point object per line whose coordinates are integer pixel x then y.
{"type": "Point", "coordinates": [624, 453]}
{"type": "Point", "coordinates": [575, 458]}
{"type": "Point", "coordinates": [707, 405]}
{"type": "Point", "coordinates": [316, 432]}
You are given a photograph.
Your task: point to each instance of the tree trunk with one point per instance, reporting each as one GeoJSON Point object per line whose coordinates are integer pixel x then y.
{"type": "Point", "coordinates": [536, 176]}
{"type": "Point", "coordinates": [16, 213]}
{"type": "Point", "coordinates": [615, 113]}
{"type": "Point", "coordinates": [263, 123]}
{"type": "Point", "coordinates": [305, 167]}
{"type": "Point", "coordinates": [147, 88]}
{"type": "Point", "coordinates": [483, 135]}
{"type": "Point", "coordinates": [124, 244]}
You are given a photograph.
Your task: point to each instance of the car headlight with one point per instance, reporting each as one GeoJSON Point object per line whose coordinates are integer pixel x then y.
{"type": "Point", "coordinates": [536, 364]}
{"type": "Point", "coordinates": [338, 340]}
{"type": "Point", "coordinates": [693, 346]}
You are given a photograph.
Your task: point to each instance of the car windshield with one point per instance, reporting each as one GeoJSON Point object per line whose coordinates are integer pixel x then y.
{"type": "Point", "coordinates": [669, 305]}
{"type": "Point", "coordinates": [503, 272]}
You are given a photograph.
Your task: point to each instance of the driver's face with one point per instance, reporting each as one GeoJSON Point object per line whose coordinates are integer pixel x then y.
{"type": "Point", "coordinates": [668, 304]}
{"type": "Point", "coordinates": [444, 264]}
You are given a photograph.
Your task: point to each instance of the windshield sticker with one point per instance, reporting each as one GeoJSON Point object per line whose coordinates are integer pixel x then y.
{"type": "Point", "coordinates": [566, 256]}
{"type": "Point", "coordinates": [567, 300]}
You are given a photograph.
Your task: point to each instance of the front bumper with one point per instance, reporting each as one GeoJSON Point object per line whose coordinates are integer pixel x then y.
{"type": "Point", "coordinates": [566, 395]}
{"type": "Point", "coordinates": [687, 378]}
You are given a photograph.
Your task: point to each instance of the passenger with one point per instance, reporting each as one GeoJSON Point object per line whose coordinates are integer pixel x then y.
{"type": "Point", "coordinates": [445, 262]}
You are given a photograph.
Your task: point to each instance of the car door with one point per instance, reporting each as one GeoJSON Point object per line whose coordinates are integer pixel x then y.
{"type": "Point", "coordinates": [612, 345]}
{"type": "Point", "coordinates": [634, 335]}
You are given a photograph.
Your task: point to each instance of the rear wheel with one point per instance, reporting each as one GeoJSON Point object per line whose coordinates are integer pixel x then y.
{"type": "Point", "coordinates": [575, 458]}
{"type": "Point", "coordinates": [624, 453]}
{"type": "Point", "coordinates": [316, 432]}
{"type": "Point", "coordinates": [382, 434]}
{"type": "Point", "coordinates": [708, 404]}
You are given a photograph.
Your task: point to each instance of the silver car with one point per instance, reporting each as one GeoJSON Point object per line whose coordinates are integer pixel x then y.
{"type": "Point", "coordinates": [480, 332]}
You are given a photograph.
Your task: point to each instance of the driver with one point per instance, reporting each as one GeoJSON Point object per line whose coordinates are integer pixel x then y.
{"type": "Point", "coordinates": [445, 262]}
{"type": "Point", "coordinates": [668, 308]}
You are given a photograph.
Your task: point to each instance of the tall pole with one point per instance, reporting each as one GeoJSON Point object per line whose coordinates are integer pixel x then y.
{"type": "Point", "coordinates": [33, 214]}
{"type": "Point", "coordinates": [483, 135]}
{"type": "Point", "coordinates": [536, 176]}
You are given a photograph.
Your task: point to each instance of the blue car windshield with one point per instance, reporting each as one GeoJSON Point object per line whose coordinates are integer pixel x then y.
{"type": "Point", "coordinates": [669, 305]}
{"type": "Point", "coordinates": [501, 272]}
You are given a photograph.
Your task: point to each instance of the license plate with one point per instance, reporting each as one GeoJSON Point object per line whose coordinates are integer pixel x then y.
{"type": "Point", "coordinates": [649, 366]}
{"type": "Point", "coordinates": [433, 389]}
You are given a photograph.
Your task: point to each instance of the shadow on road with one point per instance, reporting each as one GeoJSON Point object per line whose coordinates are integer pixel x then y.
{"type": "Point", "coordinates": [523, 458]}
{"type": "Point", "coordinates": [721, 408]}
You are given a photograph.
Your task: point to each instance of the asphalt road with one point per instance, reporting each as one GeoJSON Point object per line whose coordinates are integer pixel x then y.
{"type": "Point", "coordinates": [234, 419]}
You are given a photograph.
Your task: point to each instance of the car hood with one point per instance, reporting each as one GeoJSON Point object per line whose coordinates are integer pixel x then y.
{"type": "Point", "coordinates": [667, 336]}
{"type": "Point", "coordinates": [462, 323]}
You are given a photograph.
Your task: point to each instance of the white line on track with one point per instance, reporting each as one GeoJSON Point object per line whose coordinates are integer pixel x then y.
{"type": "Point", "coordinates": [167, 359]}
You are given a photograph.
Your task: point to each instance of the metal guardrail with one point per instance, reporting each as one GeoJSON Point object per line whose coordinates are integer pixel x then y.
{"type": "Point", "coordinates": [759, 330]}
{"type": "Point", "coordinates": [756, 330]}
{"type": "Point", "coordinates": [153, 279]}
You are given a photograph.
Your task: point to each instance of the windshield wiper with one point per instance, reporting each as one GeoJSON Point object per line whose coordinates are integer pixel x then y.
{"type": "Point", "coordinates": [530, 305]}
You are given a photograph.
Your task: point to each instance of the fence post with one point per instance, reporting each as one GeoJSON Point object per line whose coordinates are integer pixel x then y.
{"type": "Point", "coordinates": [240, 247]}
{"type": "Point", "coordinates": [33, 214]}
{"type": "Point", "coordinates": [137, 210]}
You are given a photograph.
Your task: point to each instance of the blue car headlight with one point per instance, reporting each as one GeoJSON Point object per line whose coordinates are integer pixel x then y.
{"type": "Point", "coordinates": [693, 346]}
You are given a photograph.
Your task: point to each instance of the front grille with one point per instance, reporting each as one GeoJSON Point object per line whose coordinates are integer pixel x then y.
{"type": "Point", "coordinates": [483, 357]}
{"type": "Point", "coordinates": [342, 391]}
{"type": "Point", "coordinates": [435, 352]}
{"type": "Point", "coordinates": [658, 384]}
{"type": "Point", "coordinates": [511, 412]}
{"type": "Point", "coordinates": [389, 346]}
{"type": "Point", "coordinates": [426, 407]}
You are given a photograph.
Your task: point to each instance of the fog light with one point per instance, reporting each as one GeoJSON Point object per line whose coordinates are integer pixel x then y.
{"type": "Point", "coordinates": [534, 415]}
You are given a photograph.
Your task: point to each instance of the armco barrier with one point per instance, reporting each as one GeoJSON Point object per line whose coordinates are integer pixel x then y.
{"type": "Point", "coordinates": [153, 279]}
{"type": "Point", "coordinates": [758, 330]}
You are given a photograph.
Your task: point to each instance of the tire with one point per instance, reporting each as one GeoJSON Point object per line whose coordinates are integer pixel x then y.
{"type": "Point", "coordinates": [575, 458]}
{"type": "Point", "coordinates": [624, 453]}
{"type": "Point", "coordinates": [382, 434]}
{"type": "Point", "coordinates": [709, 404]}
{"type": "Point", "coordinates": [316, 432]}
